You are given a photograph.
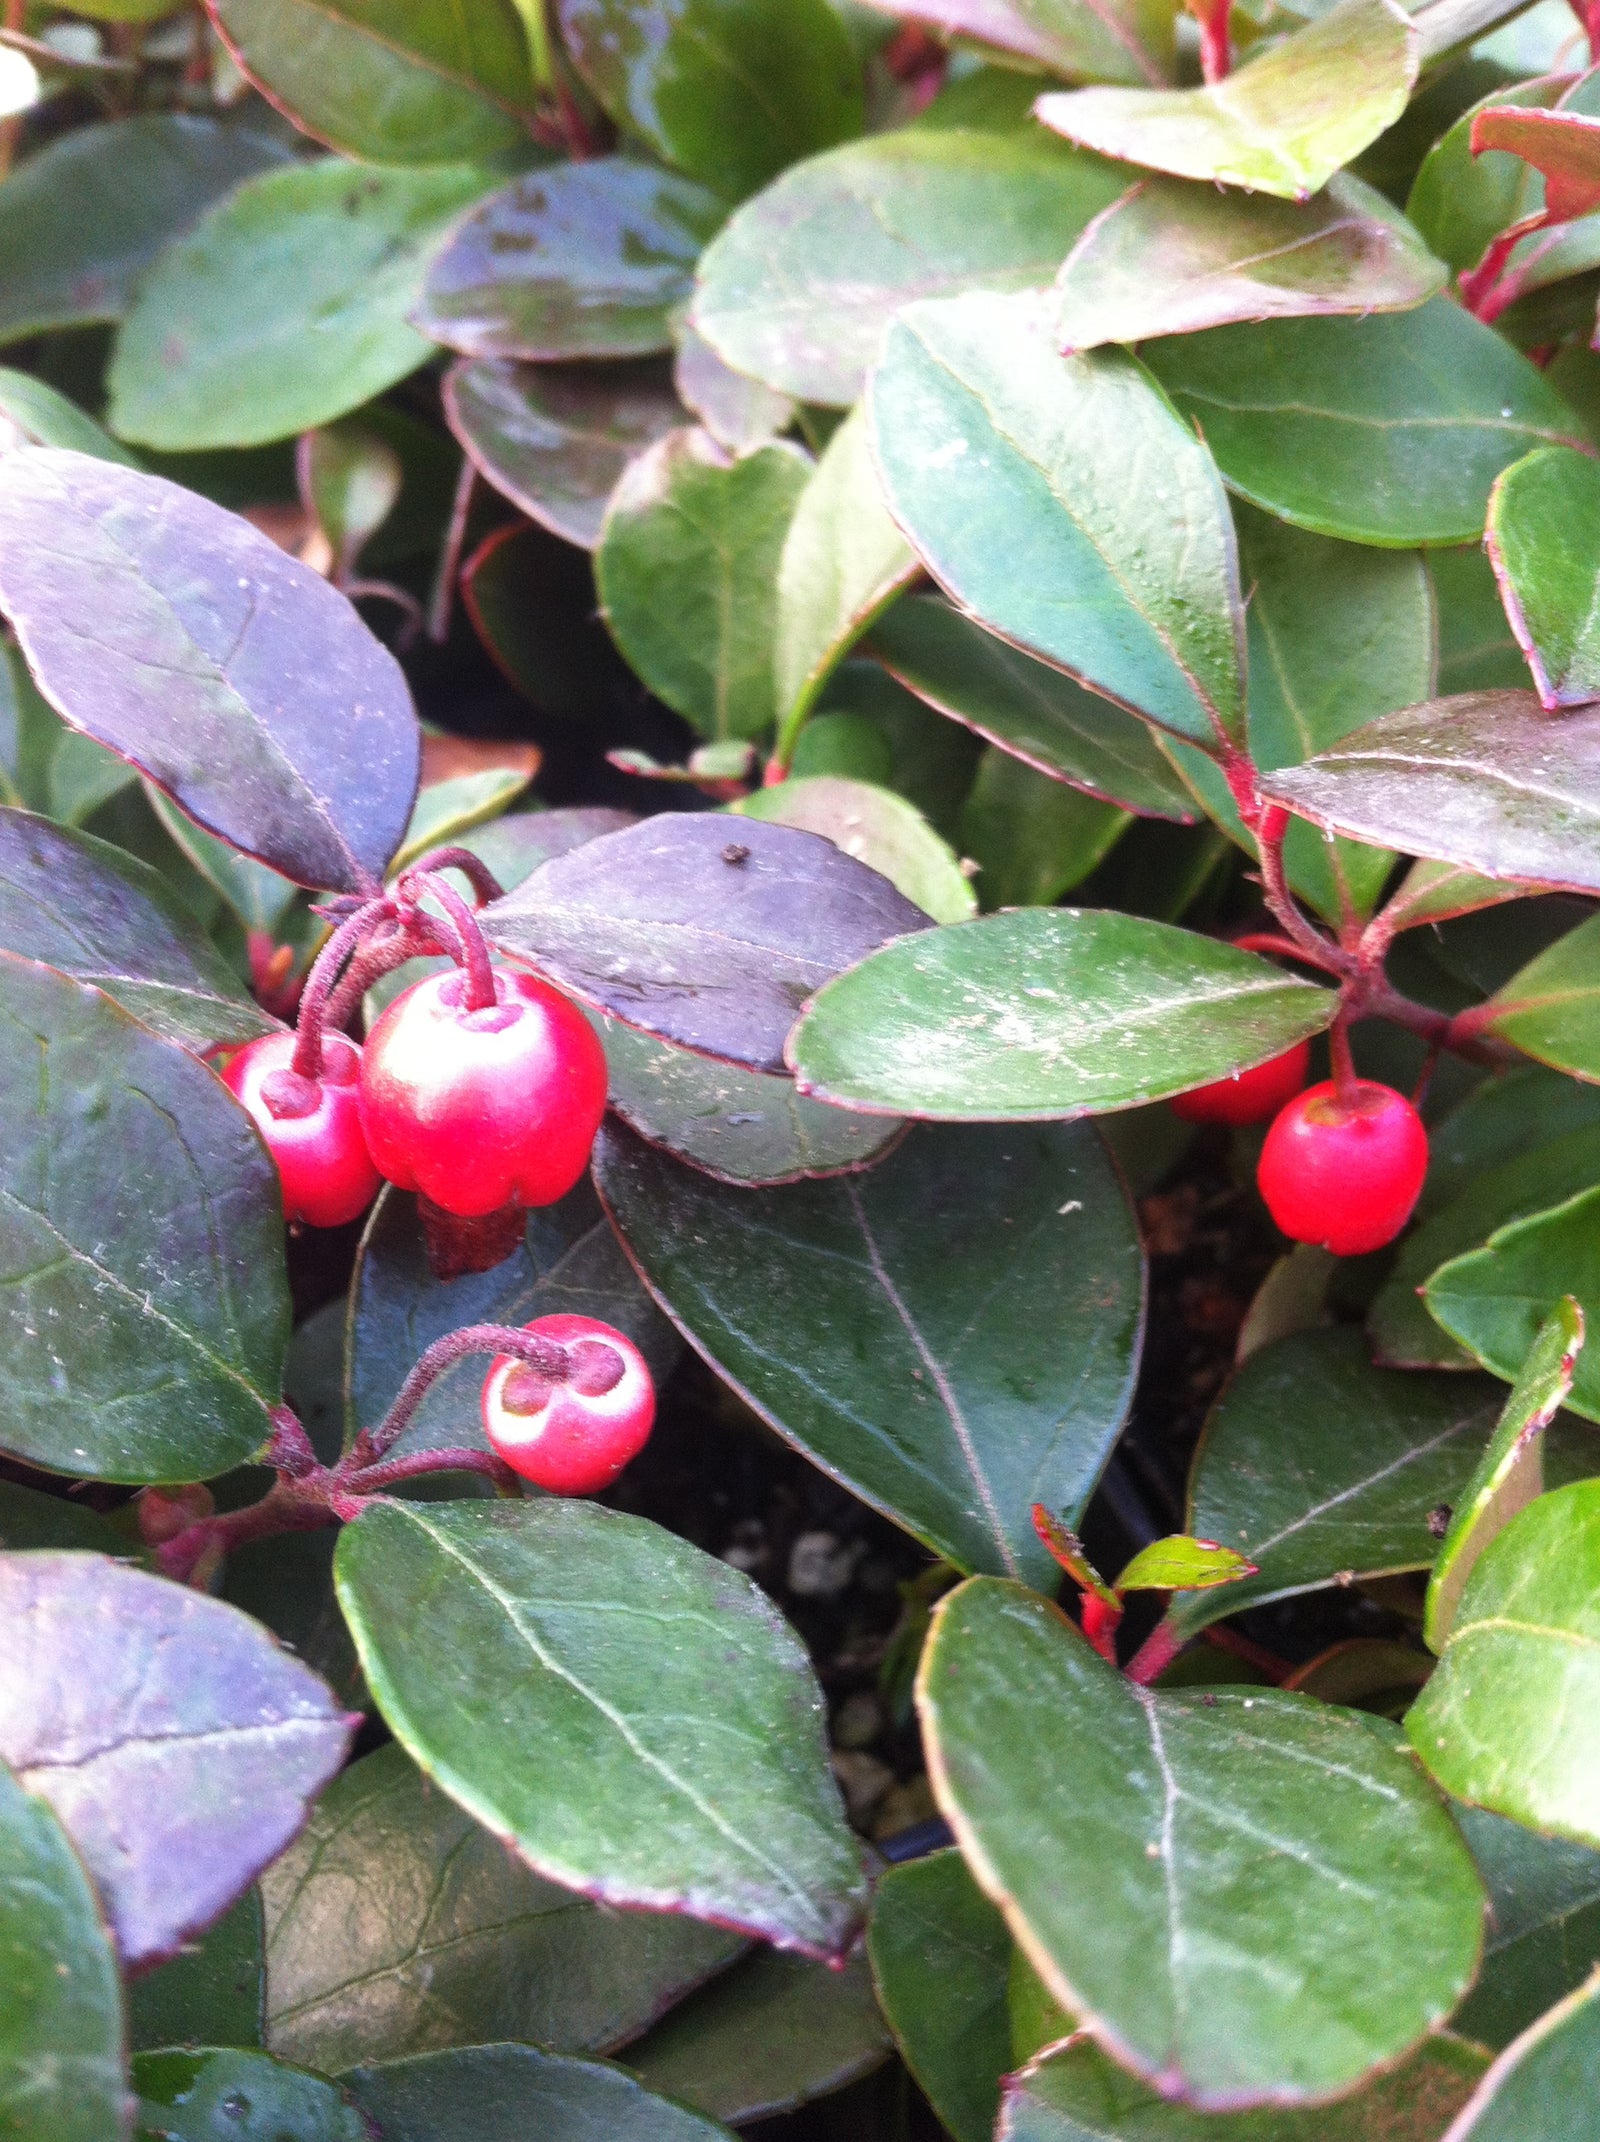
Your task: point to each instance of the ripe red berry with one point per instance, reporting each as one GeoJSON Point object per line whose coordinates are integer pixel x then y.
{"type": "Point", "coordinates": [1249, 1096]}
{"type": "Point", "coordinates": [572, 1438]}
{"type": "Point", "coordinates": [482, 1109]}
{"type": "Point", "coordinates": [1345, 1173]}
{"type": "Point", "coordinates": [312, 1126]}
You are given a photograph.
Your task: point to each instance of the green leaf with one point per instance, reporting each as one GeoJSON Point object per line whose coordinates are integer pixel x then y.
{"type": "Point", "coordinates": [100, 915]}
{"type": "Point", "coordinates": [1249, 1897]}
{"type": "Point", "coordinates": [555, 439]}
{"type": "Point", "coordinates": [1542, 2082]}
{"type": "Point", "coordinates": [1508, 1719]}
{"type": "Point", "coordinates": [142, 1240]}
{"type": "Point", "coordinates": [1510, 1474]}
{"type": "Point", "coordinates": [259, 896]}
{"type": "Point", "coordinates": [178, 1744]}
{"type": "Point", "coordinates": [507, 2093]}
{"type": "Point", "coordinates": [880, 829]}
{"type": "Point", "coordinates": [1032, 838]}
{"type": "Point", "coordinates": [1184, 1564]}
{"type": "Point", "coordinates": [1477, 651]}
{"type": "Point", "coordinates": [1475, 780]}
{"type": "Point", "coordinates": [1123, 41]}
{"type": "Point", "coordinates": [1019, 477]}
{"type": "Point", "coordinates": [1514, 1112]}
{"type": "Point", "coordinates": [1283, 124]}
{"type": "Point", "coordinates": [1460, 202]}
{"type": "Point", "coordinates": [799, 288]}
{"type": "Point", "coordinates": [940, 1955]}
{"type": "Point", "coordinates": [1075, 2094]}
{"type": "Point", "coordinates": [455, 1943]}
{"type": "Point", "coordinates": [744, 1127]}
{"type": "Point", "coordinates": [1026, 707]}
{"type": "Point", "coordinates": [950, 1397]}
{"type": "Point", "coordinates": [729, 94]}
{"type": "Point", "coordinates": [1318, 1466]}
{"type": "Point", "coordinates": [211, 1993]}
{"type": "Point", "coordinates": [286, 307]}
{"type": "Point", "coordinates": [1544, 1924]}
{"type": "Point", "coordinates": [770, 2035]}
{"type": "Point", "coordinates": [215, 2096]}
{"type": "Point", "coordinates": [1389, 430]}
{"type": "Point", "coordinates": [83, 219]}
{"type": "Point", "coordinates": [1495, 1299]}
{"type": "Point", "coordinates": [687, 569]}
{"type": "Point", "coordinates": [350, 478]}
{"type": "Point", "coordinates": [843, 562]}
{"type": "Point", "coordinates": [447, 810]}
{"type": "Point", "coordinates": [403, 82]}
{"type": "Point", "coordinates": [1045, 1012]}
{"type": "Point", "coordinates": [61, 2076]}
{"type": "Point", "coordinates": [589, 259]}
{"type": "Point", "coordinates": [1541, 514]}
{"type": "Point", "coordinates": [1551, 1009]}
{"type": "Point", "coordinates": [679, 1765]}
{"type": "Point", "coordinates": [738, 412]}
{"type": "Point", "coordinates": [29, 1517]}
{"type": "Point", "coordinates": [34, 414]}
{"type": "Point", "coordinates": [1172, 257]}
{"type": "Point", "coordinates": [1438, 892]}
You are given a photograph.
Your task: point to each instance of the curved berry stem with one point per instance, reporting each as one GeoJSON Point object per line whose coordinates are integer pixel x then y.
{"type": "Point", "coordinates": [351, 933]}
{"type": "Point", "coordinates": [1344, 1069]}
{"type": "Point", "coordinates": [479, 992]}
{"type": "Point", "coordinates": [1282, 948]}
{"type": "Point", "coordinates": [1272, 825]}
{"type": "Point", "coordinates": [552, 1361]}
{"type": "Point", "coordinates": [373, 1479]}
{"type": "Point", "coordinates": [477, 873]}
{"type": "Point", "coordinates": [421, 938]}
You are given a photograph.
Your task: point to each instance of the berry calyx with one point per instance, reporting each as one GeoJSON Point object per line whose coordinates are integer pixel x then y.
{"type": "Point", "coordinates": [1344, 1170]}
{"type": "Point", "coordinates": [573, 1437]}
{"type": "Point", "coordinates": [478, 1109]}
{"type": "Point", "coordinates": [312, 1126]}
{"type": "Point", "coordinates": [1249, 1096]}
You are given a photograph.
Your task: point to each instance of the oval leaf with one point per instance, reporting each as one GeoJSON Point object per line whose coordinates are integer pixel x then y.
{"type": "Point", "coordinates": [1538, 2084]}
{"type": "Point", "coordinates": [951, 1401]}
{"type": "Point", "coordinates": [231, 674]}
{"type": "Point", "coordinates": [211, 1993]}
{"type": "Point", "coordinates": [1044, 1012]}
{"type": "Point", "coordinates": [678, 1766]}
{"type": "Point", "coordinates": [1543, 516]}
{"type": "Point", "coordinates": [1544, 1924]}
{"type": "Point", "coordinates": [505, 2093]}
{"type": "Point", "coordinates": [880, 828]}
{"type": "Point", "coordinates": [179, 1745]}
{"type": "Point", "coordinates": [1551, 1009]}
{"type": "Point", "coordinates": [199, 2096]}
{"type": "Point", "coordinates": [1495, 1299]}
{"type": "Point", "coordinates": [1136, 1840]}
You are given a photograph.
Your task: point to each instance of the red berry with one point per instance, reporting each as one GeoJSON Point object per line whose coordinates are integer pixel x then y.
{"type": "Point", "coordinates": [312, 1126]}
{"type": "Point", "coordinates": [481, 1109]}
{"type": "Point", "coordinates": [1344, 1173]}
{"type": "Point", "coordinates": [1249, 1096]}
{"type": "Point", "coordinates": [571, 1438]}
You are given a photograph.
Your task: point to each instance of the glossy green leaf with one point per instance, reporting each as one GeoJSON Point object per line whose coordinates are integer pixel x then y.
{"type": "Point", "coordinates": [950, 1397]}
{"type": "Point", "coordinates": [799, 288]}
{"type": "Point", "coordinates": [402, 82]}
{"type": "Point", "coordinates": [739, 412]}
{"type": "Point", "coordinates": [1032, 838]}
{"type": "Point", "coordinates": [286, 307]}
{"type": "Point", "coordinates": [687, 570]}
{"type": "Point", "coordinates": [1544, 2082]}
{"type": "Point", "coordinates": [729, 94]}
{"type": "Point", "coordinates": [1494, 1299]}
{"type": "Point", "coordinates": [1316, 1465]}
{"type": "Point", "coordinates": [1248, 1897]}
{"type": "Point", "coordinates": [1544, 539]}
{"type": "Point", "coordinates": [1551, 1010]}
{"type": "Point", "coordinates": [587, 259]}
{"type": "Point", "coordinates": [1511, 1113]}
{"type": "Point", "coordinates": [82, 220]}
{"type": "Point", "coordinates": [1045, 1012]}
{"type": "Point", "coordinates": [1172, 257]}
{"type": "Point", "coordinates": [178, 1744]}
{"type": "Point", "coordinates": [1477, 651]}
{"type": "Point", "coordinates": [1460, 202]}
{"type": "Point", "coordinates": [34, 414]}
{"type": "Point", "coordinates": [1388, 430]}
{"type": "Point", "coordinates": [101, 916]}
{"type": "Point", "coordinates": [259, 896]}
{"type": "Point", "coordinates": [31, 1517]}
{"type": "Point", "coordinates": [940, 1955]}
{"type": "Point", "coordinates": [1508, 1719]}
{"type": "Point", "coordinates": [448, 810]}
{"type": "Point", "coordinates": [1544, 1924]}
{"type": "Point", "coordinates": [879, 828]}
{"type": "Point", "coordinates": [454, 1943]}
{"type": "Point", "coordinates": [212, 1993]}
{"type": "Point", "coordinates": [502, 2093]}
{"type": "Point", "coordinates": [674, 1766]}
{"type": "Point", "coordinates": [1019, 477]}
{"type": "Point", "coordinates": [844, 560]}
{"type": "Point", "coordinates": [1437, 892]}
{"type": "Point", "coordinates": [1510, 1474]}
{"type": "Point", "coordinates": [1282, 124]}
{"type": "Point", "coordinates": [1488, 780]}
{"type": "Point", "coordinates": [1027, 708]}
{"type": "Point", "coordinates": [1075, 2094]}
{"type": "Point", "coordinates": [1184, 1564]}
{"type": "Point", "coordinates": [770, 2035]}
{"type": "Point", "coordinates": [217, 2095]}
{"type": "Point", "coordinates": [1102, 40]}
{"type": "Point", "coordinates": [140, 1212]}
{"type": "Point", "coordinates": [61, 2077]}
{"type": "Point", "coordinates": [555, 439]}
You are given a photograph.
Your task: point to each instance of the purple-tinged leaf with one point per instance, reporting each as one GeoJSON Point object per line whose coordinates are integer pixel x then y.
{"type": "Point", "coordinates": [1543, 539]}
{"type": "Point", "coordinates": [180, 1747]}
{"type": "Point", "coordinates": [1105, 40]}
{"type": "Point", "coordinates": [1437, 892]}
{"type": "Point", "coordinates": [709, 932]}
{"type": "Point", "coordinates": [1487, 780]}
{"type": "Point", "coordinates": [232, 675]}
